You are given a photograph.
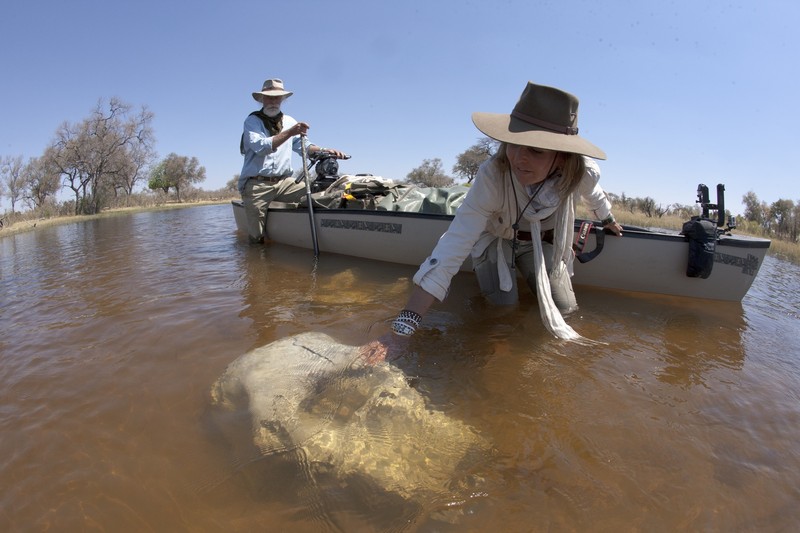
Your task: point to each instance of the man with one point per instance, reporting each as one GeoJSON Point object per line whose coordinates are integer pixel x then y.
{"type": "Point", "coordinates": [268, 140]}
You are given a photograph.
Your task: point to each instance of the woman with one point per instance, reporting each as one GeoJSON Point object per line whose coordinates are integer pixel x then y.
{"type": "Point", "coordinates": [519, 213]}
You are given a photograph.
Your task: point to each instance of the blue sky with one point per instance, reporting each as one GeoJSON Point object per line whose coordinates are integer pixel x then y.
{"type": "Point", "coordinates": [676, 93]}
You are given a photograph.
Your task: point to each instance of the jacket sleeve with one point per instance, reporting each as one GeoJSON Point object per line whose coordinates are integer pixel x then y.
{"type": "Point", "coordinates": [592, 193]}
{"type": "Point", "coordinates": [452, 249]}
{"type": "Point", "coordinates": [298, 141]}
{"type": "Point", "coordinates": [256, 137]}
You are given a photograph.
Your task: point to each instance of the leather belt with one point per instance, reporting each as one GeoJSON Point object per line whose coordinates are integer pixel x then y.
{"type": "Point", "coordinates": [547, 236]}
{"type": "Point", "coordinates": [268, 179]}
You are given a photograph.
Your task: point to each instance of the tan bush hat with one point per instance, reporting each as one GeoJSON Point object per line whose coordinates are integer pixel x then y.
{"type": "Point", "coordinates": [272, 87]}
{"type": "Point", "coordinates": [544, 117]}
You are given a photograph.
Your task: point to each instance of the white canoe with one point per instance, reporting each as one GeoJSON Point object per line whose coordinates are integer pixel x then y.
{"type": "Point", "coordinates": [643, 260]}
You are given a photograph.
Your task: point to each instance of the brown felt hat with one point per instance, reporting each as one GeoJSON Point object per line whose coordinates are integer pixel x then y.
{"type": "Point", "coordinates": [544, 117]}
{"type": "Point", "coordinates": [272, 87]}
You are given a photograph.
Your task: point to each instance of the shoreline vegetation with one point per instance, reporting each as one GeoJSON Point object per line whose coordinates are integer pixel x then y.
{"type": "Point", "coordinates": [29, 222]}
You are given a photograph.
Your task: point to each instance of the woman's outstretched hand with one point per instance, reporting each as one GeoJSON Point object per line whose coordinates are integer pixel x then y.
{"type": "Point", "coordinates": [387, 347]}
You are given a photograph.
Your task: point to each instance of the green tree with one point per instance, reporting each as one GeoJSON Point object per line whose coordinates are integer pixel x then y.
{"type": "Point", "coordinates": [468, 161]}
{"type": "Point", "coordinates": [176, 172]}
{"type": "Point", "coordinates": [158, 179]}
{"type": "Point", "coordinates": [430, 174]}
{"type": "Point", "coordinates": [780, 213]}
{"type": "Point", "coordinates": [795, 225]}
{"type": "Point", "coordinates": [753, 209]}
{"type": "Point", "coordinates": [41, 182]}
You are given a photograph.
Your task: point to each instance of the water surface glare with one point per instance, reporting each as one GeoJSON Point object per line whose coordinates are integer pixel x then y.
{"type": "Point", "coordinates": [114, 331]}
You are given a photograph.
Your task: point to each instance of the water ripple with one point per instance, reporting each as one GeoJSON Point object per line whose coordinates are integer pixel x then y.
{"type": "Point", "coordinates": [115, 330]}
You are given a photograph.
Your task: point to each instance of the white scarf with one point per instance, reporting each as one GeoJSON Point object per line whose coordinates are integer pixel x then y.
{"type": "Point", "coordinates": [562, 257]}
{"type": "Point", "coordinates": [562, 262]}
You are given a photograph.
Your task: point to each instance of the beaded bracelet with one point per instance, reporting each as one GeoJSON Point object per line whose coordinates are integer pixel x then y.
{"type": "Point", "coordinates": [608, 220]}
{"type": "Point", "coordinates": [410, 315]}
{"type": "Point", "coordinates": [402, 329]}
{"type": "Point", "coordinates": [406, 323]}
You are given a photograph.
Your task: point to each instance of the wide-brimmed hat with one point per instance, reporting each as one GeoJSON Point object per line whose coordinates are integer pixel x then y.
{"type": "Point", "coordinates": [544, 117]}
{"type": "Point", "coordinates": [272, 87]}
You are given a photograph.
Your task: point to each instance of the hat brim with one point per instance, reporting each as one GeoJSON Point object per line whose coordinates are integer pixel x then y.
{"type": "Point", "coordinates": [508, 129]}
{"type": "Point", "coordinates": [257, 96]}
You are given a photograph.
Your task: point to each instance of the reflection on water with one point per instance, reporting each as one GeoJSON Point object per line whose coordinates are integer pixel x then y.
{"type": "Point", "coordinates": [114, 332]}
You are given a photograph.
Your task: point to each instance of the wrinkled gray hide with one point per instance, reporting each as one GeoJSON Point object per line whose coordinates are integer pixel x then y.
{"type": "Point", "coordinates": [311, 392]}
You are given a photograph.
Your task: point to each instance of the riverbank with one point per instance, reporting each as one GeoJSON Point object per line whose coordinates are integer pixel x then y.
{"type": "Point", "coordinates": [22, 226]}
{"type": "Point", "coordinates": [781, 249]}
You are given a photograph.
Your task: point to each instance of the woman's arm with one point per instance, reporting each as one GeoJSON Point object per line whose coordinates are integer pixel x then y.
{"type": "Point", "coordinates": [596, 199]}
{"type": "Point", "coordinates": [482, 202]}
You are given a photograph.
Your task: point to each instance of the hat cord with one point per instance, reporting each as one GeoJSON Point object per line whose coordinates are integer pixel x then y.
{"type": "Point", "coordinates": [515, 226]}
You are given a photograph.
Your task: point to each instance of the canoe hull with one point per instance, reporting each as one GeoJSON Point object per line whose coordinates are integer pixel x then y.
{"type": "Point", "coordinates": [656, 262]}
{"type": "Point", "coordinates": [641, 261]}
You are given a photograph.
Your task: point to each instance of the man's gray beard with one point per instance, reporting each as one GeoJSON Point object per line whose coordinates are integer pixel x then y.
{"type": "Point", "coordinates": [272, 111]}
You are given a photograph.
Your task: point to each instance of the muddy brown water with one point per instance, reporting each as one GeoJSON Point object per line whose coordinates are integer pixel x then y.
{"type": "Point", "coordinates": [113, 332]}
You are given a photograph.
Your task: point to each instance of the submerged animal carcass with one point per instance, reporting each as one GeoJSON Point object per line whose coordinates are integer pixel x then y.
{"type": "Point", "coordinates": [310, 393]}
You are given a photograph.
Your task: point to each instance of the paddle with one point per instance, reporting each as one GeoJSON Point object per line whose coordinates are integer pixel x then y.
{"type": "Point", "coordinates": [308, 197]}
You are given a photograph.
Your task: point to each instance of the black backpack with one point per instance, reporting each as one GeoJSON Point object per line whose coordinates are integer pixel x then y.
{"type": "Point", "coordinates": [702, 235]}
